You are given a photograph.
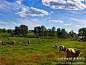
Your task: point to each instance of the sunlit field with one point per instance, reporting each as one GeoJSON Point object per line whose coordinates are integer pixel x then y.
{"type": "Point", "coordinates": [38, 52]}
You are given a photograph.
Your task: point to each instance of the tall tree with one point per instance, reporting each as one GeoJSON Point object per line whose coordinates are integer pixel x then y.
{"type": "Point", "coordinates": [46, 32]}
{"type": "Point", "coordinates": [63, 33]}
{"type": "Point", "coordinates": [17, 30]}
{"type": "Point", "coordinates": [59, 32]}
{"type": "Point", "coordinates": [53, 32]}
{"type": "Point", "coordinates": [23, 29]}
{"type": "Point", "coordinates": [37, 30]}
{"type": "Point", "coordinates": [42, 30]}
{"type": "Point", "coordinates": [71, 33]}
{"type": "Point", "coordinates": [82, 32]}
{"type": "Point", "coordinates": [50, 32]}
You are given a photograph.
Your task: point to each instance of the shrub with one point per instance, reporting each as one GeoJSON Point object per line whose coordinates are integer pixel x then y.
{"type": "Point", "coordinates": [31, 36]}
{"type": "Point", "coordinates": [5, 35]}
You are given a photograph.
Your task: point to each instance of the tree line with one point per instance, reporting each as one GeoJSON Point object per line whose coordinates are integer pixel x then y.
{"type": "Point", "coordinates": [22, 30]}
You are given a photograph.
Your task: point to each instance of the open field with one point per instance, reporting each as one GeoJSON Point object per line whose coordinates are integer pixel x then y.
{"type": "Point", "coordinates": [38, 52]}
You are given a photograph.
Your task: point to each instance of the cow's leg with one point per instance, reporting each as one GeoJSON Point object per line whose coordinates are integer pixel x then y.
{"type": "Point", "coordinates": [67, 59]}
{"type": "Point", "coordinates": [75, 59]}
{"type": "Point", "coordinates": [72, 60]}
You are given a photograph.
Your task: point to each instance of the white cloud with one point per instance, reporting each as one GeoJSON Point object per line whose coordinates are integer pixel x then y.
{"type": "Point", "coordinates": [82, 21]}
{"type": "Point", "coordinates": [51, 12]}
{"type": "Point", "coordinates": [74, 12]}
{"type": "Point", "coordinates": [32, 12]}
{"type": "Point", "coordinates": [19, 2]}
{"type": "Point", "coordinates": [31, 23]}
{"type": "Point", "coordinates": [10, 6]}
{"type": "Point", "coordinates": [77, 26]}
{"type": "Point", "coordinates": [8, 25]}
{"type": "Point", "coordinates": [62, 4]}
{"type": "Point", "coordinates": [4, 23]}
{"type": "Point", "coordinates": [68, 24]}
{"type": "Point", "coordinates": [57, 21]}
{"type": "Point", "coordinates": [48, 18]}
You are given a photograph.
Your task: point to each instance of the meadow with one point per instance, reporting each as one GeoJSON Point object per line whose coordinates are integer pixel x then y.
{"type": "Point", "coordinates": [39, 52]}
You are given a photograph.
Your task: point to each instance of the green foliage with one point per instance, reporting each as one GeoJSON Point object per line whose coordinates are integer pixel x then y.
{"type": "Point", "coordinates": [82, 32]}
{"type": "Point", "coordinates": [23, 29]}
{"type": "Point", "coordinates": [63, 33]}
{"type": "Point", "coordinates": [31, 35]}
{"type": "Point", "coordinates": [71, 33]}
{"type": "Point", "coordinates": [3, 30]}
{"type": "Point", "coordinates": [5, 35]}
{"type": "Point", "coordinates": [54, 34]}
{"type": "Point", "coordinates": [59, 32]}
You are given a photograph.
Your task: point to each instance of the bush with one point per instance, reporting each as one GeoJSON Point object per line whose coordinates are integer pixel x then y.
{"type": "Point", "coordinates": [31, 36]}
{"type": "Point", "coordinates": [5, 35]}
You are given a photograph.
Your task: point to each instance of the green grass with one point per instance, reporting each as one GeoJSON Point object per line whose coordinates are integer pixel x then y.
{"type": "Point", "coordinates": [38, 52]}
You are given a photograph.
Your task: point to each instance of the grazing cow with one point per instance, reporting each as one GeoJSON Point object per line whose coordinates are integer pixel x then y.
{"type": "Point", "coordinates": [62, 48]}
{"type": "Point", "coordinates": [1, 42]}
{"type": "Point", "coordinates": [55, 46]}
{"type": "Point", "coordinates": [13, 42]}
{"type": "Point", "coordinates": [8, 38]}
{"type": "Point", "coordinates": [72, 53]}
{"type": "Point", "coordinates": [28, 42]}
{"type": "Point", "coordinates": [43, 40]}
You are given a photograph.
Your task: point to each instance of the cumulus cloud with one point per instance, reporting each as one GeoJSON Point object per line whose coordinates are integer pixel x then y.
{"type": "Point", "coordinates": [32, 12]}
{"type": "Point", "coordinates": [57, 21]}
{"type": "Point", "coordinates": [65, 4]}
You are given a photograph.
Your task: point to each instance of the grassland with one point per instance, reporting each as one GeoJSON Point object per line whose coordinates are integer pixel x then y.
{"type": "Point", "coordinates": [38, 52]}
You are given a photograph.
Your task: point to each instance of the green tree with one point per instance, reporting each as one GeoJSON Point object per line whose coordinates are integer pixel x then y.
{"type": "Point", "coordinates": [37, 30]}
{"type": "Point", "coordinates": [82, 32]}
{"type": "Point", "coordinates": [59, 32]}
{"type": "Point", "coordinates": [53, 32]}
{"type": "Point", "coordinates": [23, 29]}
{"type": "Point", "coordinates": [17, 30]}
{"type": "Point", "coordinates": [49, 32]}
{"type": "Point", "coordinates": [71, 33]}
{"type": "Point", "coordinates": [63, 33]}
{"type": "Point", "coordinates": [46, 32]}
{"type": "Point", "coordinates": [42, 30]}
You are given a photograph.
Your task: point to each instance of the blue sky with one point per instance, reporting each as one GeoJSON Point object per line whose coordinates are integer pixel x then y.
{"type": "Point", "coordinates": [68, 14]}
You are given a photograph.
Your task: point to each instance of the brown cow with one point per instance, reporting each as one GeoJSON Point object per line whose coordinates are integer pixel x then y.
{"type": "Point", "coordinates": [28, 42]}
{"type": "Point", "coordinates": [8, 38]}
{"type": "Point", "coordinates": [72, 53]}
{"type": "Point", "coordinates": [1, 42]}
{"type": "Point", "coordinates": [62, 48]}
{"type": "Point", "coordinates": [13, 42]}
{"type": "Point", "coordinates": [43, 40]}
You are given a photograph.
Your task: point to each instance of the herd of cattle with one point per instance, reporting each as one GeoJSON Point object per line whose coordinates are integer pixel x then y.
{"type": "Point", "coordinates": [13, 42]}
{"type": "Point", "coordinates": [70, 52]}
